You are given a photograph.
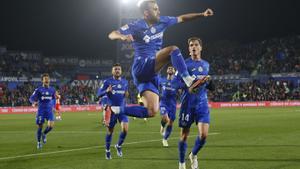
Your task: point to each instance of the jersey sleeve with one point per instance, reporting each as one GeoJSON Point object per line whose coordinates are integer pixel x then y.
{"type": "Point", "coordinates": [169, 20]}
{"type": "Point", "coordinates": [126, 29]}
{"type": "Point", "coordinates": [34, 97]}
{"type": "Point", "coordinates": [102, 90]}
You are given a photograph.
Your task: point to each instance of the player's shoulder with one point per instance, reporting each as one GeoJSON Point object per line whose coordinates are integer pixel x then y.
{"type": "Point", "coordinates": [133, 24]}
{"type": "Point", "coordinates": [189, 60]}
{"type": "Point", "coordinates": [108, 80]}
{"type": "Point", "coordinates": [124, 80]}
{"type": "Point", "coordinates": [205, 62]}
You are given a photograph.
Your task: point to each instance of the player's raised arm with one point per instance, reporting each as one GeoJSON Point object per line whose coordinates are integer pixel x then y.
{"type": "Point", "coordinates": [192, 16]}
{"type": "Point", "coordinates": [116, 35]}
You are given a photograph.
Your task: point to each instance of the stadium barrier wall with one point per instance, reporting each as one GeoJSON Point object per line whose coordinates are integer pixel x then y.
{"type": "Point", "coordinates": [80, 108]}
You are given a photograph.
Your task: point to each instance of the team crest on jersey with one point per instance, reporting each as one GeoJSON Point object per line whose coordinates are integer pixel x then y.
{"type": "Point", "coordinates": [47, 93]}
{"type": "Point", "coordinates": [200, 69]}
{"type": "Point", "coordinates": [124, 28]}
{"type": "Point", "coordinates": [119, 86]}
{"type": "Point", "coordinates": [146, 39]}
{"type": "Point", "coordinates": [153, 30]}
{"type": "Point", "coordinates": [169, 84]}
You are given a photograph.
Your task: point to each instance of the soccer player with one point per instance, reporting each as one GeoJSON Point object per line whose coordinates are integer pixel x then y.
{"type": "Point", "coordinates": [43, 97]}
{"type": "Point", "coordinates": [194, 106]}
{"type": "Point", "coordinates": [169, 88]}
{"type": "Point", "coordinates": [57, 105]}
{"type": "Point", "coordinates": [146, 36]}
{"type": "Point", "coordinates": [116, 89]}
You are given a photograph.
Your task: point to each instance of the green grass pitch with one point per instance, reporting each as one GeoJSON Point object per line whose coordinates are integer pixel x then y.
{"type": "Point", "coordinates": [241, 138]}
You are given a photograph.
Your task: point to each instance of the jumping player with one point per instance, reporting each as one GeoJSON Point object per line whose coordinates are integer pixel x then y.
{"type": "Point", "coordinates": [146, 36]}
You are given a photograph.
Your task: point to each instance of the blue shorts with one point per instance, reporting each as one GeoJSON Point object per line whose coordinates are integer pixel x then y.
{"type": "Point", "coordinates": [190, 114]}
{"type": "Point", "coordinates": [168, 110]}
{"type": "Point", "coordinates": [144, 75]}
{"type": "Point", "coordinates": [117, 118]}
{"type": "Point", "coordinates": [42, 115]}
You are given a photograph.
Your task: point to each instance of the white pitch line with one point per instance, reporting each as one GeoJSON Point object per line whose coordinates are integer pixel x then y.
{"type": "Point", "coordinates": [86, 148]}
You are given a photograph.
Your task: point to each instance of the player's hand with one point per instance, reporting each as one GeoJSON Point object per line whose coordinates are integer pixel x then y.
{"type": "Point", "coordinates": [34, 104]}
{"type": "Point", "coordinates": [127, 38]}
{"type": "Point", "coordinates": [109, 89]}
{"type": "Point", "coordinates": [208, 12]}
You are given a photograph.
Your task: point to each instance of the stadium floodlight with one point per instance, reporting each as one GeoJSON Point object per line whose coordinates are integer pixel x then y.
{"type": "Point", "coordinates": [124, 1]}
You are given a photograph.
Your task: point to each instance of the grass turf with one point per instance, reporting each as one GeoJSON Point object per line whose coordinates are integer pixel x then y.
{"type": "Point", "coordinates": [241, 138]}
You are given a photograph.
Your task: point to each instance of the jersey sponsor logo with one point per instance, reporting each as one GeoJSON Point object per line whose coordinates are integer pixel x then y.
{"type": "Point", "coordinates": [153, 37]}
{"type": "Point", "coordinates": [146, 39]}
{"type": "Point", "coordinates": [118, 92]}
{"type": "Point", "coordinates": [46, 97]}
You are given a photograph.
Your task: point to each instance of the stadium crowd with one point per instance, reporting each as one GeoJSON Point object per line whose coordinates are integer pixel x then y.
{"type": "Point", "coordinates": [277, 55]}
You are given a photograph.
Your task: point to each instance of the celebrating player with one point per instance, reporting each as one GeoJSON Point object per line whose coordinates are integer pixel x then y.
{"type": "Point", "coordinates": [43, 97]}
{"type": "Point", "coordinates": [116, 89]}
{"type": "Point", "coordinates": [169, 88]}
{"type": "Point", "coordinates": [146, 36]}
{"type": "Point", "coordinates": [194, 107]}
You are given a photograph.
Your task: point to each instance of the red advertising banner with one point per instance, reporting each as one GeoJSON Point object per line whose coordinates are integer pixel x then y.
{"type": "Point", "coordinates": [80, 108]}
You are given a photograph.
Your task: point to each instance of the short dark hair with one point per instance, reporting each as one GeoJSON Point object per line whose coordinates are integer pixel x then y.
{"type": "Point", "coordinates": [144, 5]}
{"type": "Point", "coordinates": [117, 64]}
{"type": "Point", "coordinates": [45, 75]}
{"type": "Point", "coordinates": [195, 39]}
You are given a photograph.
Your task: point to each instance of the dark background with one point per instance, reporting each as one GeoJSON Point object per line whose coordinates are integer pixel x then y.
{"type": "Point", "coordinates": [80, 27]}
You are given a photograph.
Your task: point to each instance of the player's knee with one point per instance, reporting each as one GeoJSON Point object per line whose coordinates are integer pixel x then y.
{"type": "Point", "coordinates": [203, 136]}
{"type": "Point", "coordinates": [173, 47]}
{"type": "Point", "coordinates": [184, 137]}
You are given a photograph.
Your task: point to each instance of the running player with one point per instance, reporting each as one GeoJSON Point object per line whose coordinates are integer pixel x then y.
{"type": "Point", "coordinates": [43, 98]}
{"type": "Point", "coordinates": [116, 89]}
{"type": "Point", "coordinates": [194, 107]}
{"type": "Point", "coordinates": [146, 36]}
{"type": "Point", "coordinates": [169, 88]}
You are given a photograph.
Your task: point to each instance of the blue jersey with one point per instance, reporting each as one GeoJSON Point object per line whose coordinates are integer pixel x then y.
{"type": "Point", "coordinates": [194, 107]}
{"type": "Point", "coordinates": [197, 69]}
{"type": "Point", "coordinates": [45, 96]}
{"type": "Point", "coordinates": [169, 90]}
{"type": "Point", "coordinates": [147, 40]}
{"type": "Point", "coordinates": [119, 88]}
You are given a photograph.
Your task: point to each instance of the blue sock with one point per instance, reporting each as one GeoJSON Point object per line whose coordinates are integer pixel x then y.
{"type": "Point", "coordinates": [182, 146]}
{"type": "Point", "coordinates": [39, 134]}
{"type": "Point", "coordinates": [136, 111]}
{"type": "Point", "coordinates": [163, 123]}
{"type": "Point", "coordinates": [122, 138]}
{"type": "Point", "coordinates": [199, 143]}
{"type": "Point", "coordinates": [108, 141]}
{"type": "Point", "coordinates": [47, 130]}
{"type": "Point", "coordinates": [179, 63]}
{"type": "Point", "coordinates": [168, 132]}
